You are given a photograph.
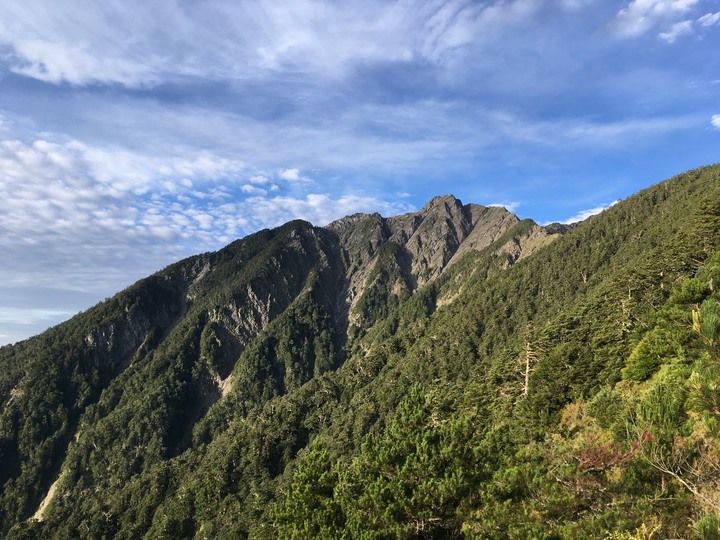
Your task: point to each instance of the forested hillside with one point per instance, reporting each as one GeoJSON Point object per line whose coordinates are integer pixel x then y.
{"type": "Point", "coordinates": [454, 372]}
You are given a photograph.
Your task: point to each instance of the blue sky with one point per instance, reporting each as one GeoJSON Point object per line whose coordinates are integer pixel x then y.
{"type": "Point", "coordinates": [133, 134]}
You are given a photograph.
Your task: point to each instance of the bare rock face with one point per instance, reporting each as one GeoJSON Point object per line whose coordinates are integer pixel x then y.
{"type": "Point", "coordinates": [302, 264]}
{"type": "Point", "coordinates": [112, 343]}
{"type": "Point", "coordinates": [416, 248]}
{"type": "Point", "coordinates": [443, 230]}
{"type": "Point", "coordinates": [152, 306]}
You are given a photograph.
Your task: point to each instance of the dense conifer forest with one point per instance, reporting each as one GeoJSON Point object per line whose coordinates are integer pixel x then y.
{"type": "Point", "coordinates": [453, 373]}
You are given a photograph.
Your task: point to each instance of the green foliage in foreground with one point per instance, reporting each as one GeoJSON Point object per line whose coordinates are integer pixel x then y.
{"type": "Point", "coordinates": [573, 395]}
{"type": "Point", "coordinates": [640, 457]}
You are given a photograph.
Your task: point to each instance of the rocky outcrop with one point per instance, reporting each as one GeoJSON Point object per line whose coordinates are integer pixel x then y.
{"type": "Point", "coordinates": [419, 246]}
{"type": "Point", "coordinates": [113, 342]}
{"type": "Point", "coordinates": [444, 230]}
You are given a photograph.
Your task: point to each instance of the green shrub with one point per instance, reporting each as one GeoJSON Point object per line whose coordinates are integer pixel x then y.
{"type": "Point", "coordinates": [708, 528]}
{"type": "Point", "coordinates": [605, 407]}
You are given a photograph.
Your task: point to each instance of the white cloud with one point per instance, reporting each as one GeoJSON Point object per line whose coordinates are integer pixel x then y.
{"type": "Point", "coordinates": [584, 214]}
{"type": "Point", "coordinates": [204, 220]}
{"type": "Point", "coordinates": [72, 207]}
{"type": "Point", "coordinates": [709, 19]}
{"type": "Point", "coordinates": [614, 134]}
{"type": "Point", "coordinates": [715, 121]}
{"type": "Point", "coordinates": [72, 63]}
{"type": "Point", "coordinates": [641, 16]}
{"type": "Point", "coordinates": [252, 190]}
{"type": "Point", "coordinates": [509, 206]}
{"type": "Point", "coordinates": [450, 26]}
{"type": "Point", "coordinates": [681, 28]}
{"type": "Point", "coordinates": [317, 208]}
{"type": "Point", "coordinates": [21, 316]}
{"type": "Point", "coordinates": [291, 175]}
{"type": "Point", "coordinates": [576, 4]}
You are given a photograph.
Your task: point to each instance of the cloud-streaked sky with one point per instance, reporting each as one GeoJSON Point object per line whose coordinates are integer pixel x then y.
{"type": "Point", "coordinates": [133, 134]}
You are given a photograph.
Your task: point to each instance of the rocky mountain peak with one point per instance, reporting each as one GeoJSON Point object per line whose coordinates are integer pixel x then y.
{"type": "Point", "coordinates": [417, 247]}
{"type": "Point", "coordinates": [340, 225]}
{"type": "Point", "coordinates": [442, 201]}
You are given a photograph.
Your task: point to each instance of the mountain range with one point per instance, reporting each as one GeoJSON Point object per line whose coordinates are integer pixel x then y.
{"type": "Point", "coordinates": [453, 372]}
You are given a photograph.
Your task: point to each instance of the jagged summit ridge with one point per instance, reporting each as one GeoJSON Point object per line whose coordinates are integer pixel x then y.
{"type": "Point", "coordinates": [428, 241]}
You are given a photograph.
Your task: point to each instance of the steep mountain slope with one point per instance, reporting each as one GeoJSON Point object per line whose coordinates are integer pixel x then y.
{"type": "Point", "coordinates": [133, 375]}
{"type": "Point", "coordinates": [417, 376]}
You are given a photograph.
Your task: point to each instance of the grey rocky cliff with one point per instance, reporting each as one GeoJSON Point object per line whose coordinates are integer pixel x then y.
{"type": "Point", "coordinates": [426, 243]}
{"type": "Point", "coordinates": [150, 308]}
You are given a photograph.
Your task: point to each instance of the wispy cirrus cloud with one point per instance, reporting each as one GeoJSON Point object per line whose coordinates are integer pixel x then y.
{"type": "Point", "coordinates": [640, 16]}
{"type": "Point", "coordinates": [670, 17]}
{"type": "Point", "coordinates": [57, 62]}
{"type": "Point", "coordinates": [584, 132]}
{"type": "Point", "coordinates": [158, 42]}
